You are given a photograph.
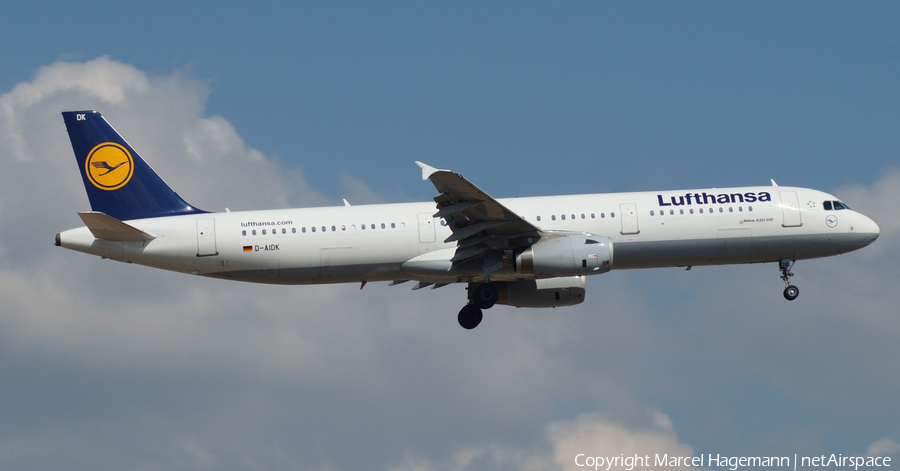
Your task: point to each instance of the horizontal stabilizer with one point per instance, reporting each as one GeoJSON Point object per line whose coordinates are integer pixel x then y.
{"type": "Point", "coordinates": [109, 228]}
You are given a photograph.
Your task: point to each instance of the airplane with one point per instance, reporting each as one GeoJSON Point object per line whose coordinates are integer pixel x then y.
{"type": "Point", "coordinates": [523, 252]}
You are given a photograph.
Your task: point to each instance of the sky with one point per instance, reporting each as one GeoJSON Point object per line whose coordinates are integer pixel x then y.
{"type": "Point", "coordinates": [105, 365]}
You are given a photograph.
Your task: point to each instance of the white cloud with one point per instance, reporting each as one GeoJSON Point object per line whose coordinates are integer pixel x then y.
{"type": "Point", "coordinates": [590, 438]}
{"type": "Point", "coordinates": [160, 116]}
{"type": "Point", "coordinates": [883, 447]}
{"type": "Point", "coordinates": [100, 81]}
{"type": "Point", "coordinates": [595, 436]}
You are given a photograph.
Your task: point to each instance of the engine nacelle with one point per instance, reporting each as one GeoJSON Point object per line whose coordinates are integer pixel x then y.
{"type": "Point", "coordinates": [567, 255]}
{"type": "Point", "coordinates": [544, 292]}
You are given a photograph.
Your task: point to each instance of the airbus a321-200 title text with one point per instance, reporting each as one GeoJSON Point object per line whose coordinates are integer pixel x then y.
{"type": "Point", "coordinates": [733, 463]}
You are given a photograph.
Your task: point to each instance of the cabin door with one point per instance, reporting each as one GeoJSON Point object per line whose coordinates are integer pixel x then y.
{"type": "Point", "coordinates": [206, 237]}
{"type": "Point", "coordinates": [790, 208]}
{"type": "Point", "coordinates": [426, 228]}
{"type": "Point", "coordinates": [629, 218]}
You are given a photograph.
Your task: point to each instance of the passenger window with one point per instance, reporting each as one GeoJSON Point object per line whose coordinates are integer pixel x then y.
{"type": "Point", "coordinates": [563, 217]}
{"type": "Point", "coordinates": [293, 230]}
{"type": "Point", "coordinates": [692, 211]}
{"type": "Point", "coordinates": [314, 228]}
{"type": "Point", "coordinates": [593, 216]}
{"type": "Point", "coordinates": [283, 231]}
{"type": "Point", "coordinates": [602, 215]}
{"type": "Point", "coordinates": [553, 217]}
{"type": "Point", "coordinates": [701, 210]}
{"type": "Point", "coordinates": [582, 216]}
{"type": "Point", "coordinates": [539, 219]}
{"type": "Point", "coordinates": [573, 216]}
{"type": "Point", "coordinates": [749, 208]}
{"type": "Point", "coordinates": [612, 215]}
{"type": "Point", "coordinates": [373, 226]}
{"type": "Point", "coordinates": [651, 213]}
{"type": "Point", "coordinates": [343, 227]}
{"type": "Point", "coordinates": [303, 229]}
{"type": "Point", "coordinates": [244, 233]}
{"type": "Point", "coordinates": [721, 210]}
{"type": "Point", "coordinates": [383, 226]}
{"type": "Point", "coordinates": [393, 226]}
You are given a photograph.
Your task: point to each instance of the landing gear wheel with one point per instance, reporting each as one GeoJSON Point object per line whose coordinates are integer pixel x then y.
{"type": "Point", "coordinates": [470, 316]}
{"type": "Point", "coordinates": [485, 295]}
{"type": "Point", "coordinates": [791, 292]}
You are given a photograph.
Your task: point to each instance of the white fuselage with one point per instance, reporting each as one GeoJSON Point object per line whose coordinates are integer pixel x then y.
{"type": "Point", "coordinates": [372, 242]}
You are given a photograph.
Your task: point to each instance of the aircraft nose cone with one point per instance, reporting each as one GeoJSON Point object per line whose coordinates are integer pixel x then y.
{"type": "Point", "coordinates": [870, 229]}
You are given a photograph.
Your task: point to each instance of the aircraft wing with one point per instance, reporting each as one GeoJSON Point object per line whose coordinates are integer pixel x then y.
{"type": "Point", "coordinates": [478, 222]}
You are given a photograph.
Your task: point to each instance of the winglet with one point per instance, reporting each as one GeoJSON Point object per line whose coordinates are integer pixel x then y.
{"type": "Point", "coordinates": [428, 170]}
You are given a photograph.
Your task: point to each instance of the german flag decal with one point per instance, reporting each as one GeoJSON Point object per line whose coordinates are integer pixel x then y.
{"type": "Point", "coordinates": [248, 248]}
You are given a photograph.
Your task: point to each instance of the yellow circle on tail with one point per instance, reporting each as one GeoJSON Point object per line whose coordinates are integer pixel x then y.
{"type": "Point", "coordinates": [109, 166]}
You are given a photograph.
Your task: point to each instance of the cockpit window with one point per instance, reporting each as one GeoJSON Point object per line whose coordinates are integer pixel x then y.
{"type": "Point", "coordinates": [834, 205]}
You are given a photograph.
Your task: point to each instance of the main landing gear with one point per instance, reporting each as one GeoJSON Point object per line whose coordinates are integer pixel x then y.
{"type": "Point", "coordinates": [481, 296]}
{"type": "Point", "coordinates": [470, 316]}
{"type": "Point", "coordinates": [790, 291]}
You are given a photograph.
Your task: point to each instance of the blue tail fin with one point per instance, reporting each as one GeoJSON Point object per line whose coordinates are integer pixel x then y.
{"type": "Point", "coordinates": [118, 181]}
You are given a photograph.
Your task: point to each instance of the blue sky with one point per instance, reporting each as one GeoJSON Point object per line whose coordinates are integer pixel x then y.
{"type": "Point", "coordinates": [108, 366]}
{"type": "Point", "coordinates": [635, 96]}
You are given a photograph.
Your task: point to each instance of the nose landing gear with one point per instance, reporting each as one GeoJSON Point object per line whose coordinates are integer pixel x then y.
{"type": "Point", "coordinates": [790, 291]}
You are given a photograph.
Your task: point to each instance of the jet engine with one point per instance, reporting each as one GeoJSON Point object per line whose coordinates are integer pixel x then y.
{"type": "Point", "coordinates": [567, 255]}
{"type": "Point", "coordinates": [543, 292]}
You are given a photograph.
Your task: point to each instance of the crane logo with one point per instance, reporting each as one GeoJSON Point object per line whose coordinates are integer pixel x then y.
{"type": "Point", "coordinates": [109, 166]}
